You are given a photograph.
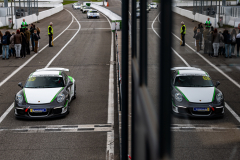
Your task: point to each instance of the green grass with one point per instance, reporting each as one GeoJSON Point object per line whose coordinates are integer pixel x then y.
{"type": "Point", "coordinates": [96, 0]}
{"type": "Point", "coordinates": [68, 2]}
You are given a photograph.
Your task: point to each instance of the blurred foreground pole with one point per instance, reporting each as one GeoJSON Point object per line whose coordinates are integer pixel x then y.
{"type": "Point", "coordinates": [165, 60]}
{"type": "Point", "coordinates": [124, 146]}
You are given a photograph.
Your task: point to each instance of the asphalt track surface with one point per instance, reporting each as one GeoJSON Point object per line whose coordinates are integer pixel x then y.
{"type": "Point", "coordinates": [83, 133]}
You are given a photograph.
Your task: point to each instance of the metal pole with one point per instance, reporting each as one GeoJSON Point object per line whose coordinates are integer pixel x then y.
{"type": "Point", "coordinates": [12, 13]}
{"type": "Point", "coordinates": [164, 81]}
{"type": "Point", "coordinates": [34, 7]}
{"type": "Point", "coordinates": [24, 7]}
{"type": "Point", "coordinates": [20, 9]}
{"type": "Point", "coordinates": [125, 6]}
{"type": "Point", "coordinates": [5, 3]}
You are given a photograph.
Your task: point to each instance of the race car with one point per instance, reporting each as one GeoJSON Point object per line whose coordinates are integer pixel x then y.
{"type": "Point", "coordinates": [86, 9]}
{"type": "Point", "coordinates": [76, 6]}
{"type": "Point", "coordinates": [194, 95]}
{"type": "Point", "coordinates": [47, 93]}
{"type": "Point", "coordinates": [93, 14]}
{"type": "Point", "coordinates": [154, 5]}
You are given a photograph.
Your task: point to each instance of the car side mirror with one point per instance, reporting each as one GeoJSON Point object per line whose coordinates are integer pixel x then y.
{"type": "Point", "coordinates": [217, 84]}
{"type": "Point", "coordinates": [20, 84]}
{"type": "Point", "coordinates": [70, 83]}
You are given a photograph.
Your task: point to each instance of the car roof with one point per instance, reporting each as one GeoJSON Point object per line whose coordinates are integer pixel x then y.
{"type": "Point", "coordinates": [192, 72]}
{"type": "Point", "coordinates": [53, 69]}
{"type": "Point", "coordinates": [47, 73]}
{"type": "Point", "coordinates": [93, 10]}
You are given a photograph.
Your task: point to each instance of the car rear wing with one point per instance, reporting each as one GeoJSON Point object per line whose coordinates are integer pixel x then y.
{"type": "Point", "coordinates": [184, 68]}
{"type": "Point", "coordinates": [53, 69]}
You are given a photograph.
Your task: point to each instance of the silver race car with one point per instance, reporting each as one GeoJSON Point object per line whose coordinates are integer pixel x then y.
{"type": "Point", "coordinates": [86, 9]}
{"type": "Point", "coordinates": [154, 5]}
{"type": "Point", "coordinates": [47, 93]}
{"type": "Point", "coordinates": [76, 6]}
{"type": "Point", "coordinates": [194, 94]}
{"type": "Point", "coordinates": [93, 14]}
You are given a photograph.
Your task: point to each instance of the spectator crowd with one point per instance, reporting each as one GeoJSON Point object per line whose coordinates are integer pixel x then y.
{"type": "Point", "coordinates": [18, 44]}
{"type": "Point", "coordinates": [216, 42]}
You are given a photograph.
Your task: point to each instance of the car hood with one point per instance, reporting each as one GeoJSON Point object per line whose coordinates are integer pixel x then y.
{"type": "Point", "coordinates": [198, 94]}
{"type": "Point", "coordinates": [40, 95]}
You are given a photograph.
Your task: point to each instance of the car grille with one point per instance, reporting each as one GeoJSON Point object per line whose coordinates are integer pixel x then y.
{"type": "Point", "coordinates": [40, 114]}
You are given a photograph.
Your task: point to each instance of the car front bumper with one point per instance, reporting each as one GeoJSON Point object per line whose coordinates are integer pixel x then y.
{"type": "Point", "coordinates": [52, 111]}
{"type": "Point", "coordinates": [190, 110]}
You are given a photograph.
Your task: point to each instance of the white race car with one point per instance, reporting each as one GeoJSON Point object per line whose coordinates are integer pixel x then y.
{"type": "Point", "coordinates": [193, 93]}
{"type": "Point", "coordinates": [86, 9]}
{"type": "Point", "coordinates": [46, 94]}
{"type": "Point", "coordinates": [154, 5]}
{"type": "Point", "coordinates": [76, 6]}
{"type": "Point", "coordinates": [93, 14]}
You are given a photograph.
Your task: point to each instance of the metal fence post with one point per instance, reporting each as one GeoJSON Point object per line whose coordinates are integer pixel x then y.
{"type": "Point", "coordinates": [165, 58]}
{"type": "Point", "coordinates": [125, 6]}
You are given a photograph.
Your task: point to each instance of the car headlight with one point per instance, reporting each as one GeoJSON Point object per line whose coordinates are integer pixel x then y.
{"type": "Point", "coordinates": [19, 98]}
{"type": "Point", "coordinates": [219, 97]}
{"type": "Point", "coordinates": [178, 97]}
{"type": "Point", "coordinates": [60, 98]}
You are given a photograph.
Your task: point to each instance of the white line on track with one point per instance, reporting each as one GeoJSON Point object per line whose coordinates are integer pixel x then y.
{"type": "Point", "coordinates": [4, 81]}
{"type": "Point", "coordinates": [93, 21]}
{"type": "Point", "coordinates": [93, 28]}
{"type": "Point", "coordinates": [219, 70]}
{"type": "Point", "coordinates": [110, 135]}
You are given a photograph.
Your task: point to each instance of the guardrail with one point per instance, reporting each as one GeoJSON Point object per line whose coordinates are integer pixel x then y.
{"type": "Point", "coordinates": [33, 18]}
{"type": "Point", "coordinates": [111, 15]}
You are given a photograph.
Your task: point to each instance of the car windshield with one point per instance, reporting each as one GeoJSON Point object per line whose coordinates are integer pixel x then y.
{"type": "Point", "coordinates": [88, 7]}
{"type": "Point", "coordinates": [44, 82]}
{"type": "Point", "coordinates": [193, 81]}
{"type": "Point", "coordinates": [152, 3]}
{"type": "Point", "coordinates": [93, 11]}
{"type": "Point", "coordinates": [78, 4]}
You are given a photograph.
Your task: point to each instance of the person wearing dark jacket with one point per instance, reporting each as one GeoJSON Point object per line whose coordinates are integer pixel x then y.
{"type": "Point", "coordinates": [227, 41]}
{"type": "Point", "coordinates": [10, 51]}
{"type": "Point", "coordinates": [27, 35]}
{"type": "Point", "coordinates": [18, 43]}
{"type": "Point", "coordinates": [5, 45]}
{"type": "Point", "coordinates": [233, 38]}
{"type": "Point", "coordinates": [24, 44]}
{"type": "Point", "coordinates": [198, 39]}
{"type": "Point", "coordinates": [1, 35]}
{"type": "Point", "coordinates": [35, 38]}
{"type": "Point", "coordinates": [32, 32]}
{"type": "Point", "coordinates": [201, 31]}
{"type": "Point", "coordinates": [238, 43]}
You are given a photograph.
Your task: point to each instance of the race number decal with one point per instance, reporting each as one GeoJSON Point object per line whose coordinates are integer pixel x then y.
{"type": "Point", "coordinates": [206, 78]}
{"type": "Point", "coordinates": [32, 79]}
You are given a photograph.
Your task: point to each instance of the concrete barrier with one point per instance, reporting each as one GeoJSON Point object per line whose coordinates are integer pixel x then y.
{"type": "Point", "coordinates": [111, 15]}
{"type": "Point", "coordinates": [33, 18]}
{"type": "Point", "coordinates": [198, 17]}
{"type": "Point", "coordinates": [190, 3]}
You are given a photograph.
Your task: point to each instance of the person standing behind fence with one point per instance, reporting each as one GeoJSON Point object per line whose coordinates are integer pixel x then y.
{"type": "Point", "coordinates": [201, 31]}
{"type": "Point", "coordinates": [233, 37]}
{"type": "Point", "coordinates": [36, 38]}
{"type": "Point", "coordinates": [194, 35]}
{"type": "Point", "coordinates": [24, 43]}
{"type": "Point", "coordinates": [238, 43]}
{"type": "Point", "coordinates": [32, 32]}
{"type": "Point", "coordinates": [216, 41]}
{"type": "Point", "coordinates": [50, 34]}
{"type": "Point", "coordinates": [221, 44]}
{"type": "Point", "coordinates": [5, 45]}
{"type": "Point", "coordinates": [208, 23]}
{"type": "Point", "coordinates": [38, 33]}
{"type": "Point", "coordinates": [27, 35]}
{"type": "Point", "coordinates": [9, 49]}
{"type": "Point", "coordinates": [198, 39]}
{"type": "Point", "coordinates": [227, 41]}
{"type": "Point", "coordinates": [205, 36]}
{"type": "Point", "coordinates": [1, 35]}
{"type": "Point", "coordinates": [11, 46]}
{"type": "Point", "coordinates": [18, 43]}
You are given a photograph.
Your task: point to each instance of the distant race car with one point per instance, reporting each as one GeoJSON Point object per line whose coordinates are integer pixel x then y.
{"type": "Point", "coordinates": [138, 13]}
{"type": "Point", "coordinates": [77, 6]}
{"type": "Point", "coordinates": [46, 94]}
{"type": "Point", "coordinates": [154, 5]}
{"type": "Point", "coordinates": [73, 4]}
{"type": "Point", "coordinates": [81, 7]}
{"type": "Point", "coordinates": [93, 14]}
{"type": "Point", "coordinates": [86, 9]}
{"type": "Point", "coordinates": [194, 95]}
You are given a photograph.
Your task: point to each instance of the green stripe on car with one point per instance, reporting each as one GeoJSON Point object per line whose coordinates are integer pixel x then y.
{"type": "Point", "coordinates": [182, 93]}
{"type": "Point", "coordinates": [25, 96]}
{"type": "Point", "coordinates": [213, 94]}
{"type": "Point", "coordinates": [60, 73]}
{"type": "Point", "coordinates": [71, 79]}
{"type": "Point", "coordinates": [57, 94]}
{"type": "Point", "coordinates": [66, 103]}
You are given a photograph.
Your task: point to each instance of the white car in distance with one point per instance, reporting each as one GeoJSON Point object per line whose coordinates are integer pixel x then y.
{"type": "Point", "coordinates": [154, 5]}
{"type": "Point", "coordinates": [93, 14]}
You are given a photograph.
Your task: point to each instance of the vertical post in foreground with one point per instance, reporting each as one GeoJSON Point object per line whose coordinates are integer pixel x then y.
{"type": "Point", "coordinates": [125, 6]}
{"type": "Point", "coordinates": [165, 59]}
